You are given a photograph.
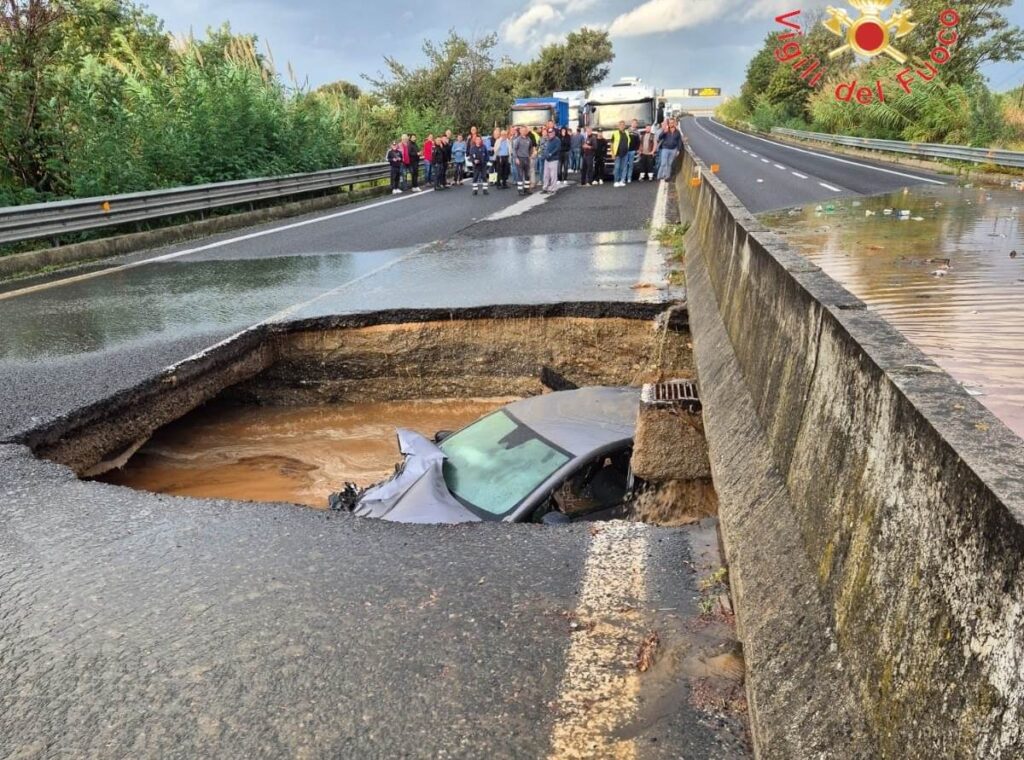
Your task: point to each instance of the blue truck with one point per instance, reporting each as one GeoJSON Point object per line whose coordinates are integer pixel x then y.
{"type": "Point", "coordinates": [536, 112]}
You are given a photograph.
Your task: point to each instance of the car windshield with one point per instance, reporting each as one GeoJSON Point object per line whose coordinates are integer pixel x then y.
{"type": "Point", "coordinates": [530, 117]}
{"type": "Point", "coordinates": [497, 462]}
{"type": "Point", "coordinates": [608, 116]}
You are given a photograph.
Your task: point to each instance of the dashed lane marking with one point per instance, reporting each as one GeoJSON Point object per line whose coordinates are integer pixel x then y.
{"type": "Point", "coordinates": [829, 187]}
{"type": "Point", "coordinates": [828, 157]}
{"type": "Point", "coordinates": [798, 174]}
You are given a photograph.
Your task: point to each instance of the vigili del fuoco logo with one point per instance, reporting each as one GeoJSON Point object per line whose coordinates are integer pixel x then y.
{"type": "Point", "coordinates": [870, 34]}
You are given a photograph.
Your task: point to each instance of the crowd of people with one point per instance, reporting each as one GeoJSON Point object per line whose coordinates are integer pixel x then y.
{"type": "Point", "coordinates": [532, 157]}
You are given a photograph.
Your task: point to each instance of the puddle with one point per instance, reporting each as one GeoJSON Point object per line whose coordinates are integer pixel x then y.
{"type": "Point", "coordinates": [291, 454]}
{"type": "Point", "coordinates": [944, 275]}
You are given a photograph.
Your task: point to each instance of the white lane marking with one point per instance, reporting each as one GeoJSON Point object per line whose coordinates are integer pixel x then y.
{"type": "Point", "coordinates": [600, 689]}
{"type": "Point", "coordinates": [798, 174]}
{"type": "Point", "coordinates": [829, 187]}
{"type": "Point", "coordinates": [765, 160]}
{"type": "Point", "coordinates": [207, 247]}
{"type": "Point", "coordinates": [780, 166]}
{"type": "Point", "coordinates": [830, 158]}
{"type": "Point", "coordinates": [652, 269]}
{"type": "Point", "coordinates": [520, 207]}
{"type": "Point", "coordinates": [754, 155]}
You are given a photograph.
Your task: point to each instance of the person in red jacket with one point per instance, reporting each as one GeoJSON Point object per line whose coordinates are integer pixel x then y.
{"type": "Point", "coordinates": [428, 157]}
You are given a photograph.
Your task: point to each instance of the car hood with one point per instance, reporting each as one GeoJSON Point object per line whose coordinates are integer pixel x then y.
{"type": "Point", "coordinates": [417, 493]}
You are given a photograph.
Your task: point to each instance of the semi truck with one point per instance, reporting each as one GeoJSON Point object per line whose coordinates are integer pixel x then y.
{"type": "Point", "coordinates": [627, 99]}
{"type": "Point", "coordinates": [537, 112]}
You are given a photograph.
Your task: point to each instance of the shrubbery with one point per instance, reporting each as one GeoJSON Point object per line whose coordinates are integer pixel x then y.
{"type": "Point", "coordinates": [97, 99]}
{"type": "Point", "coordinates": [956, 108]}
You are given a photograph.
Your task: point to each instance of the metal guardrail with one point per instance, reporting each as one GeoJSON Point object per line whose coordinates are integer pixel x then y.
{"type": "Point", "coordinates": [43, 220]}
{"type": "Point", "coordinates": [922, 150]}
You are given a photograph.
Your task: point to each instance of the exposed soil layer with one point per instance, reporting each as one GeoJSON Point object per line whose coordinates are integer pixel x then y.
{"type": "Point", "coordinates": [464, 359]}
{"type": "Point", "coordinates": [386, 356]}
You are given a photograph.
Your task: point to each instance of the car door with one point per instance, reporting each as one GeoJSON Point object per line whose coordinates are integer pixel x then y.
{"type": "Point", "coordinates": [595, 490]}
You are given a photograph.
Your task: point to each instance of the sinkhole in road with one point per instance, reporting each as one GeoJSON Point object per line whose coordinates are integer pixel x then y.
{"type": "Point", "coordinates": [289, 412]}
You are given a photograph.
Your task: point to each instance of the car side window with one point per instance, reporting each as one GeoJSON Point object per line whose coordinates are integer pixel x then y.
{"type": "Point", "coordinates": [600, 484]}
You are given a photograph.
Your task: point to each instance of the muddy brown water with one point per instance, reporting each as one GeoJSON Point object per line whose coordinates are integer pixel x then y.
{"type": "Point", "coordinates": [944, 275]}
{"type": "Point", "coordinates": [286, 454]}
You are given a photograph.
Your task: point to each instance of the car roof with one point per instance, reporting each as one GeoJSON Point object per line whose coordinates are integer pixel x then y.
{"type": "Point", "coordinates": [584, 420]}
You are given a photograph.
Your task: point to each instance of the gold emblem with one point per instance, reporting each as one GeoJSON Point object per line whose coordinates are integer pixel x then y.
{"type": "Point", "coordinates": [869, 35]}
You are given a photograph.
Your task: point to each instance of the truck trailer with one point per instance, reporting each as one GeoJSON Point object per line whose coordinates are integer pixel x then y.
{"type": "Point", "coordinates": [537, 112]}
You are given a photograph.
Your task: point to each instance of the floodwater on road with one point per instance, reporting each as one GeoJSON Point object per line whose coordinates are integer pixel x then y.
{"type": "Point", "coordinates": [948, 273]}
{"type": "Point", "coordinates": [289, 454]}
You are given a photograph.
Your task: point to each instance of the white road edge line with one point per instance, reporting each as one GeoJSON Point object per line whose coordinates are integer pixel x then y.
{"type": "Point", "coordinates": [600, 688]}
{"type": "Point", "coordinates": [207, 247]}
{"type": "Point", "coordinates": [830, 158]}
{"type": "Point", "coordinates": [652, 270]}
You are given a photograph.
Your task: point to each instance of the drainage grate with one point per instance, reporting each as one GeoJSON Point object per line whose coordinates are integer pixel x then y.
{"type": "Point", "coordinates": [672, 393]}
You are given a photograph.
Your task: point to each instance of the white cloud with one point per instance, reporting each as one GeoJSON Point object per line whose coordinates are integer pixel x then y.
{"type": "Point", "coordinates": [667, 16]}
{"type": "Point", "coordinates": [534, 27]}
{"type": "Point", "coordinates": [524, 28]}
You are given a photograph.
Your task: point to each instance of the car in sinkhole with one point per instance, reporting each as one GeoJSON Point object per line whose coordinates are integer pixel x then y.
{"type": "Point", "coordinates": [555, 458]}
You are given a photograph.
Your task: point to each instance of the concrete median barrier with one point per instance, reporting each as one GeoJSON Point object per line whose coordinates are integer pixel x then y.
{"type": "Point", "coordinates": [871, 510]}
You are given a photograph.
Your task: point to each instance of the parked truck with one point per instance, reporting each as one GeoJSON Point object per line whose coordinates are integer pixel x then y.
{"type": "Point", "coordinates": [536, 112]}
{"type": "Point", "coordinates": [627, 99]}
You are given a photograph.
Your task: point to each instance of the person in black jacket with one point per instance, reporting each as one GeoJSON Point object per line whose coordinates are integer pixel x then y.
{"type": "Point", "coordinates": [477, 158]}
{"type": "Point", "coordinates": [600, 154]}
{"type": "Point", "coordinates": [563, 156]}
{"type": "Point", "coordinates": [440, 163]}
{"type": "Point", "coordinates": [414, 163]}
{"type": "Point", "coordinates": [588, 149]}
{"type": "Point", "coordinates": [395, 161]}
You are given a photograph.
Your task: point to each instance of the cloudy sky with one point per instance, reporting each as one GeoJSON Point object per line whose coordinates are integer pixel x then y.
{"type": "Point", "coordinates": [669, 43]}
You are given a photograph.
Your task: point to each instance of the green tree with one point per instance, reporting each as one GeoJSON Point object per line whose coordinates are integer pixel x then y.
{"type": "Point", "coordinates": [579, 63]}
{"type": "Point", "coordinates": [986, 36]}
{"type": "Point", "coordinates": [460, 82]}
{"type": "Point", "coordinates": [343, 88]}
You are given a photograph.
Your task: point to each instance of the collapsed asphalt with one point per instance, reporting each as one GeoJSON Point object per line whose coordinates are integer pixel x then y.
{"type": "Point", "coordinates": [142, 625]}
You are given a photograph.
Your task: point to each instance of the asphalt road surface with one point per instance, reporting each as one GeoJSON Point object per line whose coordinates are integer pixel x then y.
{"type": "Point", "coordinates": [138, 625]}
{"type": "Point", "coordinates": [765, 174]}
{"type": "Point", "coordinates": [71, 342]}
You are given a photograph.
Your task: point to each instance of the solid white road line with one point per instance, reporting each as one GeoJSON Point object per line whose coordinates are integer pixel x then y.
{"type": "Point", "coordinates": [652, 270]}
{"type": "Point", "coordinates": [207, 247]}
{"type": "Point", "coordinates": [829, 187]}
{"type": "Point", "coordinates": [830, 158]}
{"type": "Point", "coordinates": [600, 688]}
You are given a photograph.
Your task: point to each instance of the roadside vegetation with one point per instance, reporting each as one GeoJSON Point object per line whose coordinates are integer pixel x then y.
{"type": "Point", "coordinates": [97, 98]}
{"type": "Point", "coordinates": [959, 107]}
{"type": "Point", "coordinates": [672, 238]}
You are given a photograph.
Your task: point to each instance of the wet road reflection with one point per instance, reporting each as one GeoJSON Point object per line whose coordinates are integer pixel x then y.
{"type": "Point", "coordinates": [945, 266]}
{"type": "Point", "coordinates": [292, 454]}
{"type": "Point", "coordinates": [170, 299]}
